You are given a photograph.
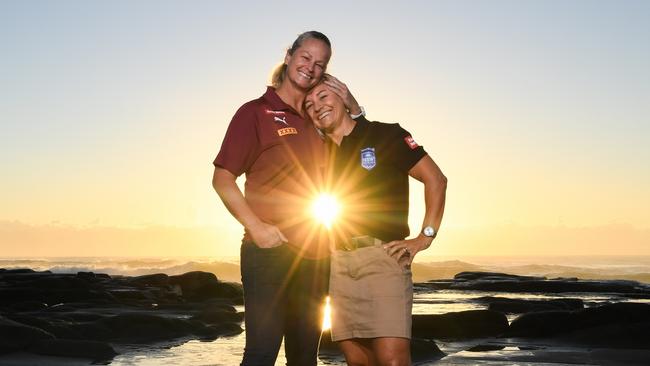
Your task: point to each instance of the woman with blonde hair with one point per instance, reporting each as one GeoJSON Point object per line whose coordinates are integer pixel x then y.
{"type": "Point", "coordinates": [285, 270]}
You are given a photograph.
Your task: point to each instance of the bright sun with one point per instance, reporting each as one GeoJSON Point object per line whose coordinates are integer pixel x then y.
{"type": "Point", "coordinates": [327, 316]}
{"type": "Point", "coordinates": [325, 209]}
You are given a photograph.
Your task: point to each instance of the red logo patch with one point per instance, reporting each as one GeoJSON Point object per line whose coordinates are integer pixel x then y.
{"type": "Point", "coordinates": [410, 142]}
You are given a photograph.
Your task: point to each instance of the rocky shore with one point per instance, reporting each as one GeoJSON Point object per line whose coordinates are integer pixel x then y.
{"type": "Point", "coordinates": [90, 315]}
{"type": "Point", "coordinates": [85, 314]}
{"type": "Point", "coordinates": [618, 324]}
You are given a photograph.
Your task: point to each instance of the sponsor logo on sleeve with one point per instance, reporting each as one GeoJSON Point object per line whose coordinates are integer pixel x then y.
{"type": "Point", "coordinates": [368, 158]}
{"type": "Point", "coordinates": [270, 111]}
{"type": "Point", "coordinates": [410, 142]}
{"type": "Point", "coordinates": [287, 131]}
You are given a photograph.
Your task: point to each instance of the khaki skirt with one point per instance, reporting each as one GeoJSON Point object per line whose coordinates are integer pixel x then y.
{"type": "Point", "coordinates": [371, 295]}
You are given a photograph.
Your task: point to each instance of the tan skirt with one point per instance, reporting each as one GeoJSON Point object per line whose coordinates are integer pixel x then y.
{"type": "Point", "coordinates": [371, 295]}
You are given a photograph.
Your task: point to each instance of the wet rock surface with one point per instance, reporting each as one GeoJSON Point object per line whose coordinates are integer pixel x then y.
{"type": "Point", "coordinates": [460, 325]}
{"type": "Point", "coordinates": [503, 282]}
{"type": "Point", "coordinates": [85, 314]}
{"type": "Point", "coordinates": [620, 324]}
{"type": "Point", "coordinates": [520, 306]}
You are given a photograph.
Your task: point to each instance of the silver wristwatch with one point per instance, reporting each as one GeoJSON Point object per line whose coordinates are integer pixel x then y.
{"type": "Point", "coordinates": [429, 231]}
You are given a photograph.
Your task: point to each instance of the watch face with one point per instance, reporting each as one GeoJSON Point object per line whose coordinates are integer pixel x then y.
{"type": "Point", "coordinates": [428, 231]}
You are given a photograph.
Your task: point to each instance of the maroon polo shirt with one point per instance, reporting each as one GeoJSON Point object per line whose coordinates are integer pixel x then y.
{"type": "Point", "coordinates": [281, 155]}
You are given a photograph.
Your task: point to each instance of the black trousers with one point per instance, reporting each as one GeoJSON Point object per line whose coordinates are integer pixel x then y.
{"type": "Point", "coordinates": [283, 297]}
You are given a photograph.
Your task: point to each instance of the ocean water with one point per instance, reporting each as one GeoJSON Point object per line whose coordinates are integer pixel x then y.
{"type": "Point", "coordinates": [228, 350]}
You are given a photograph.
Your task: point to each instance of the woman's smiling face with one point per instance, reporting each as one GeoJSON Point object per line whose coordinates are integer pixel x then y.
{"type": "Point", "coordinates": [324, 108]}
{"type": "Point", "coordinates": [307, 64]}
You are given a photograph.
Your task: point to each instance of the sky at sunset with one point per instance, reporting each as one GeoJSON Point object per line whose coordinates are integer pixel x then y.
{"type": "Point", "coordinates": [112, 112]}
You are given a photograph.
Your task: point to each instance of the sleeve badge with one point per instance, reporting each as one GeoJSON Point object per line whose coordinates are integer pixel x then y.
{"type": "Point", "coordinates": [411, 142]}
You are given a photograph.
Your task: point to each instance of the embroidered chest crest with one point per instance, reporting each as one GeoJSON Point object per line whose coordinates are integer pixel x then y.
{"type": "Point", "coordinates": [368, 158]}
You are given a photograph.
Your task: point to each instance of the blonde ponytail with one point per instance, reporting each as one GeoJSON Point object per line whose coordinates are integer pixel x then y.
{"type": "Point", "coordinates": [278, 75]}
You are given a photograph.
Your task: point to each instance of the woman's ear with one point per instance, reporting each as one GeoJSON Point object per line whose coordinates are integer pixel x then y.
{"type": "Point", "coordinates": [287, 58]}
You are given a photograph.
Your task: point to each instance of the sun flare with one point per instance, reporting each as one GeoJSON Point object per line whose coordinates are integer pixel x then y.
{"type": "Point", "coordinates": [325, 209]}
{"type": "Point", "coordinates": [327, 314]}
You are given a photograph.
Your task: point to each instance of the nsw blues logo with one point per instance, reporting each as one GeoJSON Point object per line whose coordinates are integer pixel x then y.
{"type": "Point", "coordinates": [368, 158]}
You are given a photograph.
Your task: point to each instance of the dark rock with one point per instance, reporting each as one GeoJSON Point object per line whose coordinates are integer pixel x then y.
{"type": "Point", "coordinates": [57, 327]}
{"type": "Point", "coordinates": [28, 306]}
{"type": "Point", "coordinates": [197, 285]}
{"type": "Point", "coordinates": [95, 331]}
{"type": "Point", "coordinates": [62, 308]}
{"type": "Point", "coordinates": [502, 282]}
{"type": "Point", "coordinates": [31, 320]}
{"type": "Point", "coordinates": [16, 336]}
{"type": "Point", "coordinates": [201, 286]}
{"type": "Point", "coordinates": [492, 276]}
{"type": "Point", "coordinates": [130, 294]}
{"type": "Point", "coordinates": [93, 277]}
{"type": "Point", "coordinates": [486, 348]}
{"type": "Point", "coordinates": [518, 306]}
{"type": "Point", "coordinates": [231, 290]}
{"type": "Point", "coordinates": [460, 325]}
{"type": "Point", "coordinates": [184, 307]}
{"type": "Point", "coordinates": [432, 285]}
{"type": "Point", "coordinates": [142, 327]}
{"type": "Point", "coordinates": [626, 312]}
{"type": "Point", "coordinates": [552, 323]}
{"type": "Point", "coordinates": [642, 296]}
{"type": "Point", "coordinates": [18, 271]}
{"type": "Point", "coordinates": [65, 330]}
{"type": "Point", "coordinates": [16, 277]}
{"type": "Point", "coordinates": [74, 348]}
{"type": "Point", "coordinates": [192, 281]}
{"type": "Point", "coordinates": [49, 295]}
{"type": "Point", "coordinates": [58, 281]}
{"type": "Point", "coordinates": [567, 279]}
{"type": "Point", "coordinates": [544, 323]}
{"type": "Point", "coordinates": [551, 286]}
{"type": "Point", "coordinates": [224, 304]}
{"type": "Point", "coordinates": [13, 295]}
{"type": "Point", "coordinates": [158, 279]}
{"type": "Point", "coordinates": [91, 306]}
{"type": "Point", "coordinates": [425, 350]}
{"type": "Point", "coordinates": [618, 335]}
{"type": "Point", "coordinates": [219, 316]}
{"type": "Point", "coordinates": [86, 275]}
{"type": "Point", "coordinates": [82, 316]}
{"type": "Point", "coordinates": [226, 329]}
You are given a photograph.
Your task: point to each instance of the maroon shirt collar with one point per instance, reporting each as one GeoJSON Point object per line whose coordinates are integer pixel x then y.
{"type": "Point", "coordinates": [277, 104]}
{"type": "Point", "coordinates": [274, 101]}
